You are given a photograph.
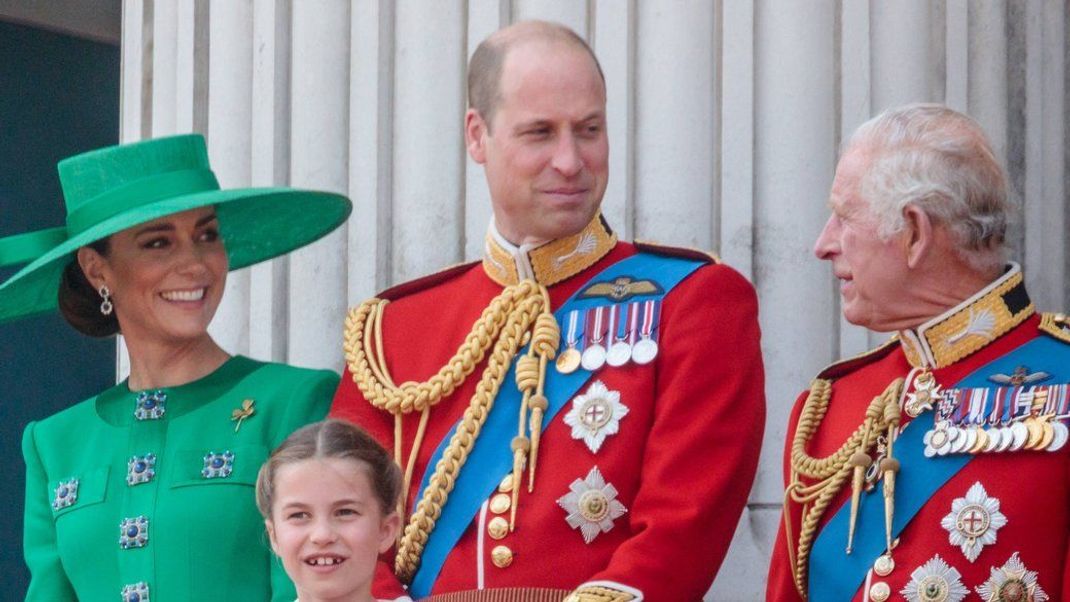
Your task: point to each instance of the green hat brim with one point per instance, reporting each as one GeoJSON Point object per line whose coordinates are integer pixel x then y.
{"type": "Point", "coordinates": [256, 224]}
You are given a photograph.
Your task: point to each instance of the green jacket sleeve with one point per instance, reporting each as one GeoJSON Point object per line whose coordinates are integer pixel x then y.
{"type": "Point", "coordinates": [48, 581]}
{"type": "Point", "coordinates": [310, 399]}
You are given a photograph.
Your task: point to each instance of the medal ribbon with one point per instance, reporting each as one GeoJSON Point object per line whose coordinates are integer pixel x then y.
{"type": "Point", "coordinates": [573, 318]}
{"type": "Point", "coordinates": [596, 332]}
{"type": "Point", "coordinates": [622, 323]}
{"type": "Point", "coordinates": [633, 321]}
{"type": "Point", "coordinates": [649, 310]}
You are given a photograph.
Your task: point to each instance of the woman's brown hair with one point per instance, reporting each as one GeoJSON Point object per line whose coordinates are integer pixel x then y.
{"type": "Point", "coordinates": [80, 303]}
{"type": "Point", "coordinates": [332, 439]}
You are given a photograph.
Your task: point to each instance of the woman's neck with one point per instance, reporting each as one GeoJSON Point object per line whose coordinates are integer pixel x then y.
{"type": "Point", "coordinates": [155, 365]}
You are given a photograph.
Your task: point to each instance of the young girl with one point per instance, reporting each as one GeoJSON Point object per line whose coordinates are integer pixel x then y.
{"type": "Point", "coordinates": [329, 494]}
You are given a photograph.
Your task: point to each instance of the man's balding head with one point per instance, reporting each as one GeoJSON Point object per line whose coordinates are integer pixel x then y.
{"type": "Point", "coordinates": [488, 61]}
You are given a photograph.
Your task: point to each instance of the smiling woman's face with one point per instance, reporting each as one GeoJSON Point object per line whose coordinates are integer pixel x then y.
{"type": "Point", "coordinates": [166, 277]}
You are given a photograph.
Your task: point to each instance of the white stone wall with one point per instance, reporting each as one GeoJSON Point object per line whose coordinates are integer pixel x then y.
{"type": "Point", "coordinates": [724, 118]}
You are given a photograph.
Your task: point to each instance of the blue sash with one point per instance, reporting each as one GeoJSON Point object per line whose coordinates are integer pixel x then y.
{"type": "Point", "coordinates": [491, 458]}
{"type": "Point", "coordinates": [835, 575]}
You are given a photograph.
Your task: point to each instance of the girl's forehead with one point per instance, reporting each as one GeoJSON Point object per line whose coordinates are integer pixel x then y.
{"type": "Point", "coordinates": [321, 475]}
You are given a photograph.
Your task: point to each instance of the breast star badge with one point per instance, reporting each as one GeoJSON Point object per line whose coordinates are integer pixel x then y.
{"type": "Point", "coordinates": [592, 505]}
{"type": "Point", "coordinates": [1012, 581]}
{"type": "Point", "coordinates": [595, 415]}
{"type": "Point", "coordinates": [973, 521]}
{"type": "Point", "coordinates": [935, 581]}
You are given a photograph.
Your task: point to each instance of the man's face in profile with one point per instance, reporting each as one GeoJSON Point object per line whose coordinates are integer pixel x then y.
{"type": "Point", "coordinates": [546, 154]}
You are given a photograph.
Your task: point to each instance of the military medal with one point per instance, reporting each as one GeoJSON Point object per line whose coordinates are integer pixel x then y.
{"type": "Point", "coordinates": [592, 505]}
{"type": "Point", "coordinates": [1059, 437]}
{"type": "Point", "coordinates": [620, 351]}
{"type": "Point", "coordinates": [569, 359]}
{"type": "Point", "coordinates": [646, 348]}
{"type": "Point", "coordinates": [1012, 581]}
{"type": "Point", "coordinates": [926, 391]}
{"type": "Point", "coordinates": [595, 415]}
{"type": "Point", "coordinates": [594, 356]}
{"type": "Point", "coordinates": [935, 581]}
{"type": "Point", "coordinates": [973, 521]}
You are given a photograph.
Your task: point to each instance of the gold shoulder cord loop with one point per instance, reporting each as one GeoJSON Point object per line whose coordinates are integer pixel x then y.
{"type": "Point", "coordinates": [520, 312]}
{"type": "Point", "coordinates": [831, 472]}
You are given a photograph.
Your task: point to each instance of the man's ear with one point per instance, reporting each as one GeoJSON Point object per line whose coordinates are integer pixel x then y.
{"type": "Point", "coordinates": [94, 265]}
{"type": "Point", "coordinates": [388, 531]}
{"type": "Point", "coordinates": [919, 234]}
{"type": "Point", "coordinates": [475, 132]}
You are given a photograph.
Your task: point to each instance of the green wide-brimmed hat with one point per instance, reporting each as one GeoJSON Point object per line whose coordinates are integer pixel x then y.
{"type": "Point", "coordinates": [118, 187]}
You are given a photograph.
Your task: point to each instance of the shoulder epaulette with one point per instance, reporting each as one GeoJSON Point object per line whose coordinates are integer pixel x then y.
{"type": "Point", "coordinates": [1056, 325]}
{"type": "Point", "coordinates": [851, 364]}
{"type": "Point", "coordinates": [413, 286]}
{"type": "Point", "coordinates": [685, 252]}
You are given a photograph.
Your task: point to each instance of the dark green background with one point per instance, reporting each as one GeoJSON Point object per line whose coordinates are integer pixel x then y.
{"type": "Point", "coordinates": [59, 96]}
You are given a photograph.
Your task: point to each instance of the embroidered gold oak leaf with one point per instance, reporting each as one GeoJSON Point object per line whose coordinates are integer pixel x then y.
{"type": "Point", "coordinates": [246, 410]}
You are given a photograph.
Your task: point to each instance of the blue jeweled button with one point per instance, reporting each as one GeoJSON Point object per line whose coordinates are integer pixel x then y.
{"type": "Point", "coordinates": [66, 494]}
{"type": "Point", "coordinates": [218, 466]}
{"type": "Point", "coordinates": [140, 469]}
{"type": "Point", "coordinates": [134, 533]}
{"type": "Point", "coordinates": [151, 405]}
{"type": "Point", "coordinates": [136, 592]}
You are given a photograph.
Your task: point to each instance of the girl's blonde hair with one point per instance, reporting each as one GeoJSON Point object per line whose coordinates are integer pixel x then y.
{"type": "Point", "coordinates": [332, 439]}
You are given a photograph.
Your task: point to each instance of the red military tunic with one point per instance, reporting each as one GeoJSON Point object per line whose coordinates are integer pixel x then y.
{"type": "Point", "coordinates": [682, 462]}
{"type": "Point", "coordinates": [1024, 494]}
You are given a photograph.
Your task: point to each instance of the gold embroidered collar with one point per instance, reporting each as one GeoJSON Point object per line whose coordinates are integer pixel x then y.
{"type": "Point", "coordinates": [546, 262]}
{"type": "Point", "coordinates": [971, 325]}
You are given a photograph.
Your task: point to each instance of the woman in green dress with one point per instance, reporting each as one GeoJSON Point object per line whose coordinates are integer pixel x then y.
{"type": "Point", "coordinates": [146, 491]}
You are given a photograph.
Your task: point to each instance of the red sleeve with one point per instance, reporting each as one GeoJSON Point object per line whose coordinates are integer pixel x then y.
{"type": "Point", "coordinates": [702, 451]}
{"type": "Point", "coordinates": [349, 404]}
{"type": "Point", "coordinates": [781, 584]}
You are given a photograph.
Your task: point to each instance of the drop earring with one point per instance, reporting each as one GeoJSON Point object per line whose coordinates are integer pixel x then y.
{"type": "Point", "coordinates": [106, 306]}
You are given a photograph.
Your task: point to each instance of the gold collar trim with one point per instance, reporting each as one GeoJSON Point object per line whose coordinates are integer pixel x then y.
{"type": "Point", "coordinates": [546, 263]}
{"type": "Point", "coordinates": [971, 325]}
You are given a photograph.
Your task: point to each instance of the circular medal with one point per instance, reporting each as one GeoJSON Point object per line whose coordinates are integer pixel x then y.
{"type": "Point", "coordinates": [980, 441]}
{"type": "Point", "coordinates": [1047, 437]}
{"type": "Point", "coordinates": [1021, 435]}
{"type": "Point", "coordinates": [619, 354]}
{"type": "Point", "coordinates": [992, 439]}
{"type": "Point", "coordinates": [1036, 432]}
{"type": "Point", "coordinates": [568, 361]}
{"type": "Point", "coordinates": [1062, 433]}
{"type": "Point", "coordinates": [644, 351]}
{"type": "Point", "coordinates": [593, 358]}
{"type": "Point", "coordinates": [1006, 438]}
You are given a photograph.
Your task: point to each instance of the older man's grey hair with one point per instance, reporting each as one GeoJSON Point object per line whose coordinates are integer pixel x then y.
{"type": "Point", "coordinates": [940, 161]}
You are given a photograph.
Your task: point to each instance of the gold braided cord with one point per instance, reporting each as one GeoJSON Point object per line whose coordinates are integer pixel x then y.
{"type": "Point", "coordinates": [370, 375]}
{"type": "Point", "coordinates": [830, 472]}
{"type": "Point", "coordinates": [521, 313]}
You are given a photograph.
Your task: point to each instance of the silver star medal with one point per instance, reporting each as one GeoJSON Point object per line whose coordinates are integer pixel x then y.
{"type": "Point", "coordinates": [1012, 581]}
{"type": "Point", "coordinates": [592, 505]}
{"type": "Point", "coordinates": [973, 521]}
{"type": "Point", "coordinates": [935, 581]}
{"type": "Point", "coordinates": [595, 415]}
